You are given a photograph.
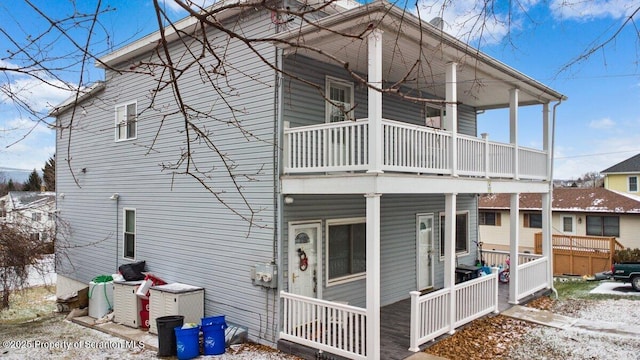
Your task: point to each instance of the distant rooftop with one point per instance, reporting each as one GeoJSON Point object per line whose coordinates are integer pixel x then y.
{"type": "Point", "coordinates": [630, 165]}
{"type": "Point", "coordinates": [598, 200]}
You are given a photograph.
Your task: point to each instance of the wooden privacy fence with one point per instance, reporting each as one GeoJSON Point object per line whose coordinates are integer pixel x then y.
{"type": "Point", "coordinates": [580, 255]}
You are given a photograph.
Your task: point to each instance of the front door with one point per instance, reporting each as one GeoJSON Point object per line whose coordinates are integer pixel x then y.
{"type": "Point", "coordinates": [303, 259]}
{"type": "Point", "coordinates": [424, 251]}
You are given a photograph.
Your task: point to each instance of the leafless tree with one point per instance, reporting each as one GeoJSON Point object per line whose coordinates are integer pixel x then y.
{"type": "Point", "coordinates": [86, 39]}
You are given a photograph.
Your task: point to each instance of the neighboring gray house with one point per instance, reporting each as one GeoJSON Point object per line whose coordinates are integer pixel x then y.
{"type": "Point", "coordinates": [353, 211]}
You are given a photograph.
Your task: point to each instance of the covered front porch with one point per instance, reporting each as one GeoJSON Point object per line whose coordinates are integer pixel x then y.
{"type": "Point", "coordinates": [406, 325]}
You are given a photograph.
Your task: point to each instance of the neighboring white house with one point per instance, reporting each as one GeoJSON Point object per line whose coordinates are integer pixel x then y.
{"type": "Point", "coordinates": [576, 211]}
{"type": "Point", "coordinates": [30, 209]}
{"type": "Point", "coordinates": [355, 210]}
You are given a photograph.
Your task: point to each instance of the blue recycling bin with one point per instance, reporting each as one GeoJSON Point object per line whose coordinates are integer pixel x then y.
{"type": "Point", "coordinates": [213, 329]}
{"type": "Point", "coordinates": [187, 342]}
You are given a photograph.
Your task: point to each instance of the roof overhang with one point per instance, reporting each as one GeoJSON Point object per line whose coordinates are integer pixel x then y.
{"type": "Point", "coordinates": [221, 10]}
{"type": "Point", "coordinates": [80, 96]}
{"type": "Point", "coordinates": [414, 50]}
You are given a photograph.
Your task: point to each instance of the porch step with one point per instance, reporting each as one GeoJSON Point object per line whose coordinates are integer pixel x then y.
{"type": "Point", "coordinates": [424, 356]}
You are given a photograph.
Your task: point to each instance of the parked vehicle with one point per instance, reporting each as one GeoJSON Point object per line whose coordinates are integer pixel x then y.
{"type": "Point", "coordinates": [627, 272]}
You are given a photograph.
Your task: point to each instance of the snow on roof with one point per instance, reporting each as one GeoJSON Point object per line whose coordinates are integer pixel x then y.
{"type": "Point", "coordinates": [29, 199]}
{"type": "Point", "coordinates": [599, 200]}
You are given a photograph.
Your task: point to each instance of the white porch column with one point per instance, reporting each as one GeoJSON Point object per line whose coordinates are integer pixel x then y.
{"type": "Point", "coordinates": [547, 235]}
{"type": "Point", "coordinates": [374, 40]}
{"type": "Point", "coordinates": [546, 137]}
{"type": "Point", "coordinates": [451, 118]}
{"type": "Point", "coordinates": [514, 244]}
{"type": "Point", "coordinates": [373, 276]}
{"type": "Point", "coordinates": [450, 255]}
{"type": "Point", "coordinates": [513, 128]}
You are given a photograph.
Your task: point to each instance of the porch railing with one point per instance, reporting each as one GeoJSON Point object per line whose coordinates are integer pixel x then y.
{"type": "Point", "coordinates": [429, 316]}
{"type": "Point", "coordinates": [430, 313]}
{"type": "Point", "coordinates": [476, 298]}
{"type": "Point", "coordinates": [499, 258]}
{"type": "Point", "coordinates": [532, 277]}
{"type": "Point", "coordinates": [344, 146]}
{"type": "Point", "coordinates": [324, 325]}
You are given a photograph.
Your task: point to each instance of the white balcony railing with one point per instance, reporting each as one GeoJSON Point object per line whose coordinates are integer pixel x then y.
{"type": "Point", "coordinates": [430, 313]}
{"type": "Point", "coordinates": [333, 327]}
{"type": "Point", "coordinates": [532, 277]}
{"type": "Point", "coordinates": [344, 146]}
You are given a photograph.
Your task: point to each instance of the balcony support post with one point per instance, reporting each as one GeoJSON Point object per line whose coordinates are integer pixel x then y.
{"type": "Point", "coordinates": [514, 212]}
{"type": "Point", "coordinates": [546, 137]}
{"type": "Point", "coordinates": [546, 236]}
{"type": "Point", "coordinates": [513, 129]}
{"type": "Point", "coordinates": [450, 255]}
{"type": "Point", "coordinates": [373, 276]}
{"type": "Point", "coordinates": [375, 100]}
{"type": "Point", "coordinates": [451, 118]}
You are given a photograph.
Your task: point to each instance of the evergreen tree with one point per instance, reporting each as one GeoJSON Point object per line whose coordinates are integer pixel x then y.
{"type": "Point", "coordinates": [11, 186]}
{"type": "Point", "coordinates": [49, 173]}
{"type": "Point", "coordinates": [34, 183]}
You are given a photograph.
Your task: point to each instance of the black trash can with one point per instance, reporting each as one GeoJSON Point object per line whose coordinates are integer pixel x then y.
{"type": "Point", "coordinates": [166, 335]}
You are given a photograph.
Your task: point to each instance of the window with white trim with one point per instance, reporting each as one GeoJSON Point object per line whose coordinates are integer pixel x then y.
{"type": "Point", "coordinates": [339, 106]}
{"type": "Point", "coordinates": [462, 233]}
{"type": "Point", "coordinates": [126, 121]}
{"type": "Point", "coordinates": [346, 249]}
{"type": "Point", "coordinates": [633, 183]}
{"type": "Point", "coordinates": [129, 236]}
{"type": "Point", "coordinates": [434, 116]}
{"type": "Point", "coordinates": [567, 224]}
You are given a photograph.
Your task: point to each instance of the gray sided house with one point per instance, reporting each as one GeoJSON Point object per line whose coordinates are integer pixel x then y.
{"type": "Point", "coordinates": [358, 198]}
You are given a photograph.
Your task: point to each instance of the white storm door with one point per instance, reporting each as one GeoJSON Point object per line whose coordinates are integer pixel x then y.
{"type": "Point", "coordinates": [303, 259]}
{"type": "Point", "coordinates": [424, 251]}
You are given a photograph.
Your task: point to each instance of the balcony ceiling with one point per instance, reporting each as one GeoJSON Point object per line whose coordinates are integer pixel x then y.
{"type": "Point", "coordinates": [416, 54]}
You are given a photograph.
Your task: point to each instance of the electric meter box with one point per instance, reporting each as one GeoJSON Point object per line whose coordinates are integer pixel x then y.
{"type": "Point", "coordinates": [265, 275]}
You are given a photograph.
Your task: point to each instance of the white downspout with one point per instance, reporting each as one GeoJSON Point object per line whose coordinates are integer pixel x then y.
{"type": "Point", "coordinates": [553, 146]}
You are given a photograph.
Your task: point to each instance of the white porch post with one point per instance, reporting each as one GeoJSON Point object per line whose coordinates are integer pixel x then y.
{"type": "Point", "coordinates": [450, 255]}
{"type": "Point", "coordinates": [375, 101]}
{"type": "Point", "coordinates": [373, 276]}
{"type": "Point", "coordinates": [514, 244]}
{"type": "Point", "coordinates": [546, 137]}
{"type": "Point", "coordinates": [451, 118]}
{"type": "Point", "coordinates": [546, 236]}
{"type": "Point", "coordinates": [513, 129]}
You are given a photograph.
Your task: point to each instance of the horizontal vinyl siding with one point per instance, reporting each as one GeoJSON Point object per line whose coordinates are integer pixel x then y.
{"type": "Point", "coordinates": [398, 239]}
{"type": "Point", "coordinates": [304, 104]}
{"type": "Point", "coordinates": [183, 232]}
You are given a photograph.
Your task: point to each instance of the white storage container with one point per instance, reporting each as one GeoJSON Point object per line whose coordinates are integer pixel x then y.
{"type": "Point", "coordinates": [126, 304]}
{"type": "Point", "coordinates": [100, 298]}
{"type": "Point", "coordinates": [175, 299]}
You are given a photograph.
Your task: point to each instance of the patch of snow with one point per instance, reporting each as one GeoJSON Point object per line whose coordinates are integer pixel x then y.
{"type": "Point", "coordinates": [615, 288]}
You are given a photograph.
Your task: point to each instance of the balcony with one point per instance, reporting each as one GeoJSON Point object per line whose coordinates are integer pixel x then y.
{"type": "Point", "coordinates": [407, 148]}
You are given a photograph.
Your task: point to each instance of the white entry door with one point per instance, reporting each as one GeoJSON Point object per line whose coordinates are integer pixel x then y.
{"type": "Point", "coordinates": [424, 251]}
{"type": "Point", "coordinates": [303, 259]}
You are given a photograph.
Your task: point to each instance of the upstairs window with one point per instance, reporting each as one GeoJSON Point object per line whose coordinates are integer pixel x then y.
{"type": "Point", "coordinates": [340, 94]}
{"type": "Point", "coordinates": [126, 121]}
{"type": "Point", "coordinates": [36, 216]}
{"type": "Point", "coordinates": [434, 116]}
{"type": "Point", "coordinates": [129, 248]}
{"type": "Point", "coordinates": [633, 184]}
